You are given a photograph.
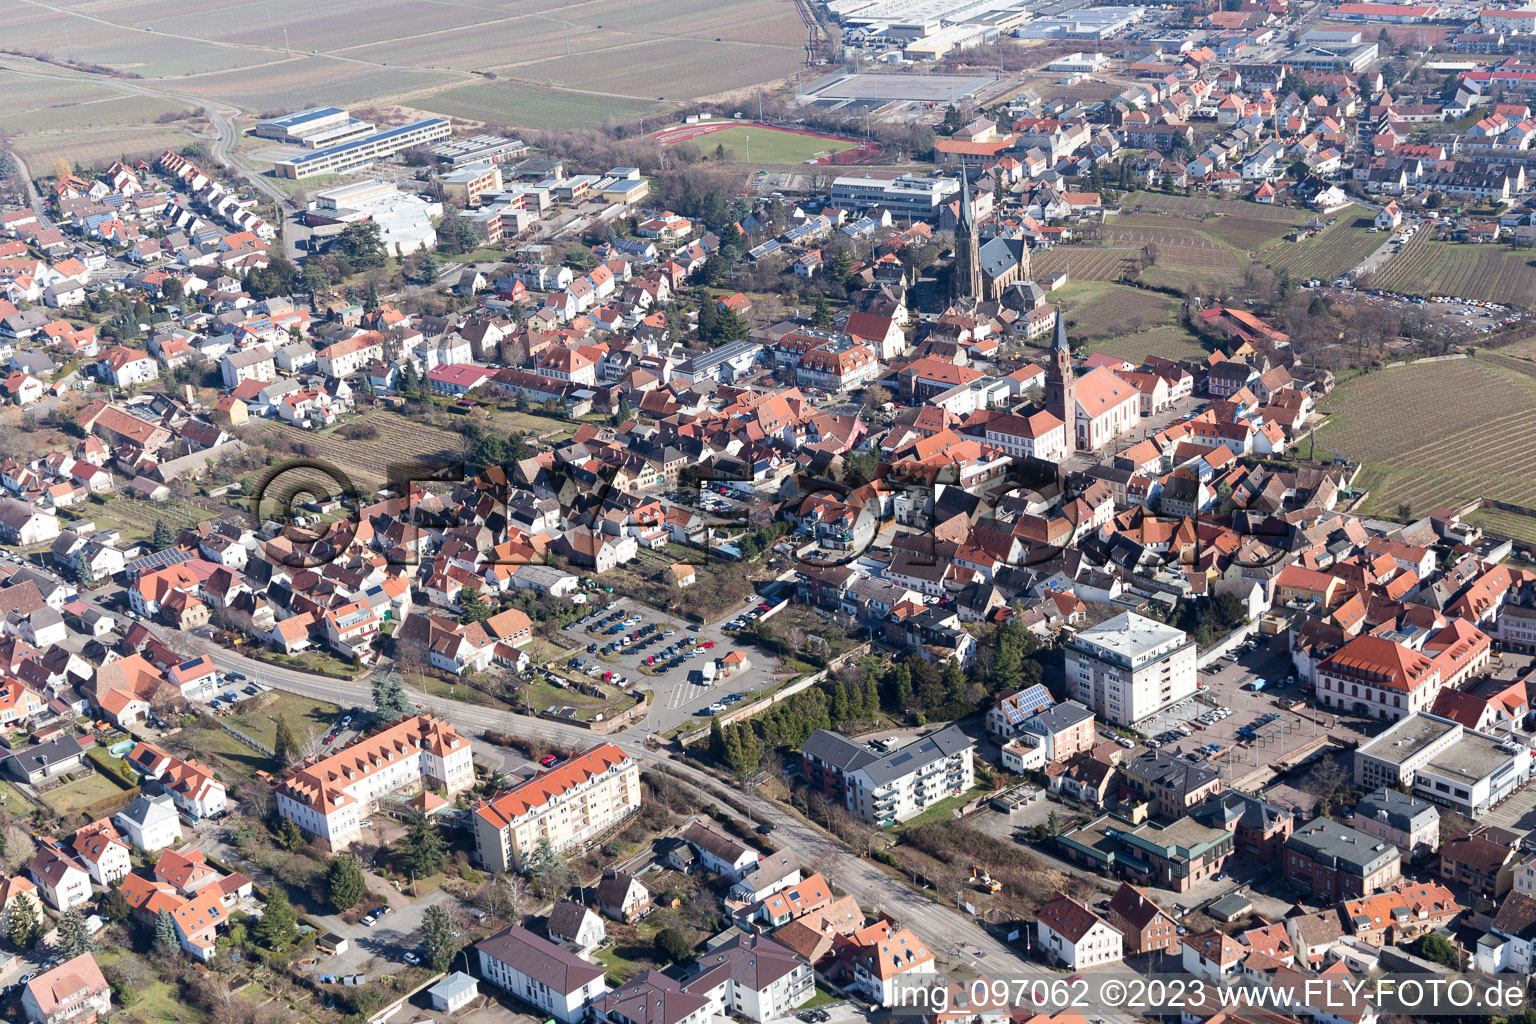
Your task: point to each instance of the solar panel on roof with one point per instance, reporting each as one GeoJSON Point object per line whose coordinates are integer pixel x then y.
{"type": "Point", "coordinates": [900, 759]}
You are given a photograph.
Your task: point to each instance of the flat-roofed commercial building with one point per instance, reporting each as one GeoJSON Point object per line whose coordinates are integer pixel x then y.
{"type": "Point", "coordinates": [313, 128]}
{"type": "Point", "coordinates": [1439, 760]}
{"type": "Point", "coordinates": [359, 152]}
{"type": "Point", "coordinates": [468, 183]}
{"type": "Point", "coordinates": [1128, 668]}
{"type": "Point", "coordinates": [909, 196]}
{"type": "Point", "coordinates": [479, 149]}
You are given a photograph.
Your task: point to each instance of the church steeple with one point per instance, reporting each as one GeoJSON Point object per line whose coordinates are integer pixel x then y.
{"type": "Point", "coordinates": [965, 281]}
{"type": "Point", "coordinates": [1060, 381]}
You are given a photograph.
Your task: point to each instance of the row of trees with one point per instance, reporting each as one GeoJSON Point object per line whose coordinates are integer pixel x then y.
{"type": "Point", "coordinates": [857, 694]}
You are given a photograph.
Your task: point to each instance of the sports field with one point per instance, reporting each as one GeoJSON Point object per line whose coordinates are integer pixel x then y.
{"type": "Point", "coordinates": [1435, 434]}
{"type": "Point", "coordinates": [766, 146]}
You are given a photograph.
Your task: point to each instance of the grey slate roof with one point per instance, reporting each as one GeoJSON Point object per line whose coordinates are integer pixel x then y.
{"type": "Point", "coordinates": [912, 757]}
{"type": "Point", "coordinates": [1398, 810]}
{"type": "Point", "coordinates": [540, 959]}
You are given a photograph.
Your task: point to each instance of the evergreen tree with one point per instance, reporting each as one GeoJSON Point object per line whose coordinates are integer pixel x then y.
{"type": "Point", "coordinates": [114, 905]}
{"type": "Point", "coordinates": [421, 850]}
{"type": "Point", "coordinates": [286, 746]}
{"type": "Point", "coordinates": [672, 945]}
{"type": "Point", "coordinates": [473, 607]}
{"type": "Point", "coordinates": [344, 883]}
{"type": "Point", "coordinates": [74, 939]}
{"type": "Point", "coordinates": [389, 700]}
{"type": "Point", "coordinates": [371, 299]}
{"type": "Point", "coordinates": [164, 536]}
{"type": "Point", "coordinates": [287, 835]}
{"type": "Point", "coordinates": [548, 871]}
{"type": "Point", "coordinates": [440, 938]}
{"type": "Point", "coordinates": [166, 943]}
{"type": "Point", "coordinates": [954, 682]}
{"type": "Point", "coordinates": [279, 925]}
{"type": "Point", "coordinates": [22, 926]}
{"type": "Point", "coordinates": [840, 267]}
{"type": "Point", "coordinates": [716, 741]}
{"type": "Point", "coordinates": [709, 315]}
{"type": "Point", "coordinates": [743, 753]}
{"type": "Point", "coordinates": [361, 246]}
{"type": "Point", "coordinates": [729, 326]}
{"type": "Point", "coordinates": [821, 316]}
{"type": "Point", "coordinates": [409, 382]}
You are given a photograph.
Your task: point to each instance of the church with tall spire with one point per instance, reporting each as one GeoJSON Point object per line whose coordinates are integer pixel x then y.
{"type": "Point", "coordinates": [1060, 381]}
{"type": "Point", "coordinates": [1098, 408]}
{"type": "Point", "coordinates": [965, 280]}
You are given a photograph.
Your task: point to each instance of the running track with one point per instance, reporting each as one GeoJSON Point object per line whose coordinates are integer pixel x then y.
{"type": "Point", "coordinates": [863, 148]}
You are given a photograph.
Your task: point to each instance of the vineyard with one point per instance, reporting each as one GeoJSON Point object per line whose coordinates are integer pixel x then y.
{"type": "Point", "coordinates": [1242, 225]}
{"type": "Point", "coordinates": [1082, 263]}
{"type": "Point", "coordinates": [1177, 247]}
{"type": "Point", "coordinates": [368, 461]}
{"type": "Point", "coordinates": [1435, 434]}
{"type": "Point", "coordinates": [1506, 524]}
{"type": "Point", "coordinates": [1335, 250]}
{"type": "Point", "coordinates": [1101, 310]}
{"type": "Point", "coordinates": [1493, 273]}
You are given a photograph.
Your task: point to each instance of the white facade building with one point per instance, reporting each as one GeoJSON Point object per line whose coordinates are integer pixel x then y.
{"type": "Point", "coordinates": [1128, 668]}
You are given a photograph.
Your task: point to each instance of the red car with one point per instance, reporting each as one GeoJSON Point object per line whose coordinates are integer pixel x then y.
{"type": "Point", "coordinates": [651, 660]}
{"type": "Point", "coordinates": [707, 644]}
{"type": "Point", "coordinates": [548, 759]}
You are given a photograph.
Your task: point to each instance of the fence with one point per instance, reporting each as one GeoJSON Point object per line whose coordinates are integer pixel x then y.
{"type": "Point", "coordinates": [243, 738]}
{"type": "Point", "coordinates": [798, 686]}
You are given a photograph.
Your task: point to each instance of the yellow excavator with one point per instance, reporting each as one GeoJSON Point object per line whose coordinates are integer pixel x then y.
{"type": "Point", "coordinates": [985, 881]}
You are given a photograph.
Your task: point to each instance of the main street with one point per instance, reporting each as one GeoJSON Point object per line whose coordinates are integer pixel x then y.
{"type": "Point", "coordinates": [953, 935]}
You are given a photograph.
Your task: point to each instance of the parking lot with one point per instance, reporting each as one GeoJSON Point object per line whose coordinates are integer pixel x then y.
{"type": "Point", "coordinates": [1257, 730]}
{"type": "Point", "coordinates": [678, 680]}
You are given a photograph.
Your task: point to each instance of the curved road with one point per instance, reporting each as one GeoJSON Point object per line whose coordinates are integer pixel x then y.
{"type": "Point", "coordinates": [950, 933]}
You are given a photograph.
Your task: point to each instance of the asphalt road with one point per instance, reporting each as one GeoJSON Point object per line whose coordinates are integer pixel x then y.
{"type": "Point", "coordinates": [949, 932]}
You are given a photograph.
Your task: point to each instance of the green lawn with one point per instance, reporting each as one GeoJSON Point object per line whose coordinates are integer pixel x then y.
{"type": "Point", "coordinates": [823, 997]}
{"type": "Point", "coordinates": [619, 968]}
{"type": "Point", "coordinates": [258, 716]}
{"type": "Point", "coordinates": [944, 808]}
{"type": "Point", "coordinates": [154, 1001]}
{"type": "Point", "coordinates": [766, 146]}
{"type": "Point", "coordinates": [77, 796]}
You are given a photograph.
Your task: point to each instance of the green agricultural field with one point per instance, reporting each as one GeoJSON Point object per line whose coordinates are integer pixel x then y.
{"type": "Point", "coordinates": [1169, 342]}
{"type": "Point", "coordinates": [1492, 273]}
{"type": "Point", "coordinates": [768, 147]}
{"type": "Point", "coordinates": [532, 106]}
{"type": "Point", "coordinates": [1099, 309]}
{"type": "Point", "coordinates": [1335, 250]}
{"type": "Point", "coordinates": [1435, 434]}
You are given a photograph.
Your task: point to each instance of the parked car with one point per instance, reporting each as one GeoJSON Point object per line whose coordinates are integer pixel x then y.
{"type": "Point", "coordinates": [548, 759]}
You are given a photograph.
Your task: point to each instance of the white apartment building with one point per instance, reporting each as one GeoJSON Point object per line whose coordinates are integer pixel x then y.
{"type": "Point", "coordinates": [331, 797]}
{"type": "Point", "coordinates": [1077, 936]}
{"type": "Point", "coordinates": [537, 971]}
{"type": "Point", "coordinates": [895, 786]}
{"type": "Point", "coordinates": [566, 805]}
{"type": "Point", "coordinates": [1128, 668]}
{"type": "Point", "coordinates": [346, 357]}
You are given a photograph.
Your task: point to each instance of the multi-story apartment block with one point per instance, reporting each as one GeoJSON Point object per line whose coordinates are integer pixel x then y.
{"type": "Point", "coordinates": [75, 992]}
{"type": "Point", "coordinates": [892, 786]}
{"type": "Point", "coordinates": [566, 805]}
{"type": "Point", "coordinates": [1128, 668]}
{"type": "Point", "coordinates": [330, 798]}
{"type": "Point", "coordinates": [1331, 862]}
